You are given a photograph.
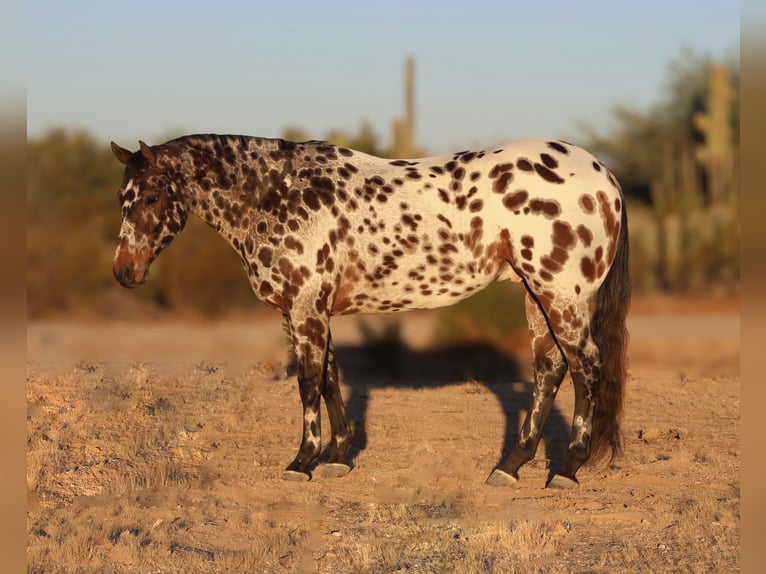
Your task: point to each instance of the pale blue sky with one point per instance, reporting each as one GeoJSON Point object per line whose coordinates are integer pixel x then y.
{"type": "Point", "coordinates": [485, 71]}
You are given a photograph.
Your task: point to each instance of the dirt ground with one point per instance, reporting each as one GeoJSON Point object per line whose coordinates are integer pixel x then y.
{"type": "Point", "coordinates": [159, 447]}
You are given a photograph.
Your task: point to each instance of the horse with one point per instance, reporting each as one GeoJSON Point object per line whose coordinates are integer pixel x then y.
{"type": "Point", "coordinates": [324, 230]}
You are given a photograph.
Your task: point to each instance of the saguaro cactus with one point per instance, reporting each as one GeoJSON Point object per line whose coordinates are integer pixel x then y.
{"type": "Point", "coordinates": [695, 200]}
{"type": "Point", "coordinates": [404, 129]}
{"type": "Point", "coordinates": [717, 154]}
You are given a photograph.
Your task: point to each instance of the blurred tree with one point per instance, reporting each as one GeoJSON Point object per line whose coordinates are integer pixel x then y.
{"type": "Point", "coordinates": [635, 145]}
{"type": "Point", "coordinates": [71, 175]}
{"type": "Point", "coordinates": [72, 220]}
{"type": "Point", "coordinates": [365, 140]}
{"type": "Point", "coordinates": [294, 134]}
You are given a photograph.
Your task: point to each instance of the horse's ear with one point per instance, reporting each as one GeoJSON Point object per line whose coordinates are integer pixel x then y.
{"type": "Point", "coordinates": [121, 153]}
{"type": "Point", "coordinates": [147, 152]}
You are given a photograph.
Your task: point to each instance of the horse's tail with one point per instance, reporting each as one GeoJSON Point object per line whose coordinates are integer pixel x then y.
{"type": "Point", "coordinates": [611, 337]}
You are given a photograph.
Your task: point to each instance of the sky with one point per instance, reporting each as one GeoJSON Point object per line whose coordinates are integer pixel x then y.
{"type": "Point", "coordinates": [485, 72]}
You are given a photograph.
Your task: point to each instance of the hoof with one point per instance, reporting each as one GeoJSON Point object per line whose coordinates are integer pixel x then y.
{"type": "Point", "coordinates": [296, 476]}
{"type": "Point", "coordinates": [559, 481]}
{"type": "Point", "coordinates": [501, 478]}
{"type": "Point", "coordinates": [335, 470]}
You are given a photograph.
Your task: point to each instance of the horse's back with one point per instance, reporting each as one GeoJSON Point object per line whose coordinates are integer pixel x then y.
{"type": "Point", "coordinates": [429, 232]}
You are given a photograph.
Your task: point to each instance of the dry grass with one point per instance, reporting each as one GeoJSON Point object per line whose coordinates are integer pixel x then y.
{"type": "Point", "coordinates": [140, 468]}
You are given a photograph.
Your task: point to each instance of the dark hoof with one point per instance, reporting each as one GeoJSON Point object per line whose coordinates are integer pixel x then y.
{"type": "Point", "coordinates": [335, 470]}
{"type": "Point", "coordinates": [296, 476]}
{"type": "Point", "coordinates": [501, 478]}
{"type": "Point", "coordinates": [559, 481]}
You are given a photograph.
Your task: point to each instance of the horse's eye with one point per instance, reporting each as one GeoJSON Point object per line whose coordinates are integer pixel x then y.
{"type": "Point", "coordinates": [150, 199]}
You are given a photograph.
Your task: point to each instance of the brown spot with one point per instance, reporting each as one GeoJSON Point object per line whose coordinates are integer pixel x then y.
{"type": "Point", "coordinates": [323, 254]}
{"type": "Point", "coordinates": [587, 203]}
{"type": "Point", "coordinates": [526, 254]}
{"type": "Point", "coordinates": [527, 241]}
{"type": "Point", "coordinates": [499, 169]}
{"type": "Point", "coordinates": [514, 200]}
{"type": "Point", "coordinates": [551, 262]}
{"type": "Point", "coordinates": [549, 209]}
{"type": "Point", "coordinates": [311, 199]}
{"type": "Point", "coordinates": [501, 183]}
{"type": "Point", "coordinates": [409, 221]}
{"type": "Point", "coordinates": [558, 147]}
{"type": "Point", "coordinates": [588, 269]}
{"type": "Point", "coordinates": [313, 329]}
{"type": "Point", "coordinates": [293, 244]}
{"type": "Point", "coordinates": [610, 221]}
{"type": "Point", "coordinates": [524, 165]}
{"type": "Point", "coordinates": [323, 298]}
{"type": "Point", "coordinates": [475, 205]}
{"type": "Point", "coordinates": [563, 236]}
{"type": "Point", "coordinates": [547, 174]}
{"type": "Point", "coordinates": [265, 255]}
{"type": "Point", "coordinates": [613, 244]}
{"type": "Point", "coordinates": [585, 235]}
{"type": "Point", "coordinates": [549, 161]}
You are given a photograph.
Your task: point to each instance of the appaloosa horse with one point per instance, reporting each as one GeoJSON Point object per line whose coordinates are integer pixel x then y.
{"type": "Point", "coordinates": [324, 230]}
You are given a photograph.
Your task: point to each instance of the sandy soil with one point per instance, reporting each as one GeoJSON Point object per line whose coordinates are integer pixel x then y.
{"type": "Point", "coordinates": [430, 425]}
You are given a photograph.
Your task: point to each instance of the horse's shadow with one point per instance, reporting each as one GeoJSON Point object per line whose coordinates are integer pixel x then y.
{"type": "Point", "coordinates": [391, 364]}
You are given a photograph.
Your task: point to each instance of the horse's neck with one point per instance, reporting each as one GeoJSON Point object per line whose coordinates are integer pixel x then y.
{"type": "Point", "coordinates": [225, 179]}
{"type": "Point", "coordinates": [226, 175]}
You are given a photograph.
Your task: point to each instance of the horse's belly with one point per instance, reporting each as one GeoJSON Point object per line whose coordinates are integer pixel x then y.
{"type": "Point", "coordinates": [420, 287]}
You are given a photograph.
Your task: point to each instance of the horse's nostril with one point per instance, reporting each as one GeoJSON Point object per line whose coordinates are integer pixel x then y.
{"type": "Point", "coordinates": [124, 274]}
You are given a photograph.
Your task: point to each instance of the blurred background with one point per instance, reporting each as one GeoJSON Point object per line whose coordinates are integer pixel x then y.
{"type": "Point", "coordinates": [652, 89]}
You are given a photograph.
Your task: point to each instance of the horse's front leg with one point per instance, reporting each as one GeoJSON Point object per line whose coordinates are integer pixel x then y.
{"type": "Point", "coordinates": [341, 429]}
{"type": "Point", "coordinates": [310, 337]}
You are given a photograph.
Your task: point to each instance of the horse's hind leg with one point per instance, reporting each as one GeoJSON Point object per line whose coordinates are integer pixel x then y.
{"type": "Point", "coordinates": [584, 361]}
{"type": "Point", "coordinates": [341, 429]}
{"type": "Point", "coordinates": [550, 367]}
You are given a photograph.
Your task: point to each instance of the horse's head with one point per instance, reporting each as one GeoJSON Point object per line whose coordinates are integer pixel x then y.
{"type": "Point", "coordinates": [153, 212]}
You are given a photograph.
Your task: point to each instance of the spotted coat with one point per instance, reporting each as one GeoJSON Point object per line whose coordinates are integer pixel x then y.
{"type": "Point", "coordinates": [324, 230]}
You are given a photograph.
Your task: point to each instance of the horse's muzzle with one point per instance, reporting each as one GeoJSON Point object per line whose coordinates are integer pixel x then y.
{"type": "Point", "coordinates": [130, 267]}
{"type": "Point", "coordinates": [127, 276]}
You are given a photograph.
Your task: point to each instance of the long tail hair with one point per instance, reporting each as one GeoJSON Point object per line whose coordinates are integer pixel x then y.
{"type": "Point", "coordinates": [611, 336]}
